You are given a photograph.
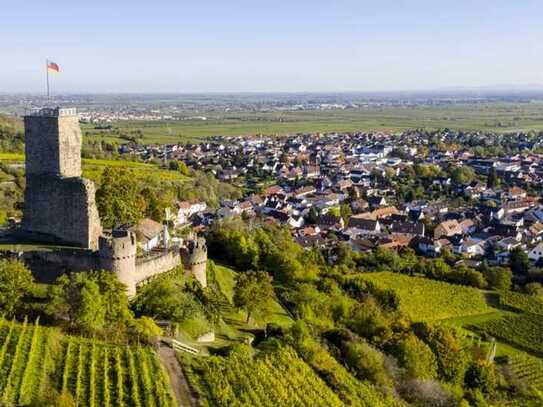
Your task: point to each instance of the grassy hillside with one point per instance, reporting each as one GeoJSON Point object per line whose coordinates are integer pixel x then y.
{"type": "Point", "coordinates": [93, 168]}
{"type": "Point", "coordinates": [10, 124]}
{"type": "Point", "coordinates": [39, 364]}
{"type": "Point", "coordinates": [423, 299]}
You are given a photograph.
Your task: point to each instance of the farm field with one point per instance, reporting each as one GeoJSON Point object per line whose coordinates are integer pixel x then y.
{"type": "Point", "coordinates": [38, 362]}
{"type": "Point", "coordinates": [497, 117]}
{"type": "Point", "coordinates": [280, 378]}
{"type": "Point", "coordinates": [523, 331]}
{"type": "Point", "coordinates": [521, 302]}
{"type": "Point", "coordinates": [528, 368]}
{"type": "Point", "coordinates": [423, 299]}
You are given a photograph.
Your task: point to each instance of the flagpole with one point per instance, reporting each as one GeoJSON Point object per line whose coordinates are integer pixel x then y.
{"type": "Point", "coordinates": [47, 75]}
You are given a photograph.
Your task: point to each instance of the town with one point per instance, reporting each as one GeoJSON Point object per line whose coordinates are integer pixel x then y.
{"type": "Point", "coordinates": [431, 192]}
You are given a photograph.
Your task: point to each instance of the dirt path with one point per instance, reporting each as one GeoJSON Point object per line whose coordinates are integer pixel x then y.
{"type": "Point", "coordinates": [181, 388]}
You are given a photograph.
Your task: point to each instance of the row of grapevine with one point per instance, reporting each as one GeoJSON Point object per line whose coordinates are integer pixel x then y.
{"type": "Point", "coordinates": [105, 375]}
{"type": "Point", "coordinates": [423, 299]}
{"type": "Point", "coordinates": [91, 372]}
{"type": "Point", "coordinates": [522, 302]}
{"type": "Point", "coordinates": [524, 331]}
{"type": "Point", "coordinates": [528, 369]}
{"type": "Point", "coordinates": [277, 379]}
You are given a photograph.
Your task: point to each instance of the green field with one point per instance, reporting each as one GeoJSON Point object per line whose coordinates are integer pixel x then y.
{"type": "Point", "coordinates": [280, 378]}
{"type": "Point", "coordinates": [521, 302]}
{"type": "Point", "coordinates": [524, 331]}
{"type": "Point", "coordinates": [423, 299]}
{"type": "Point", "coordinates": [528, 368]}
{"type": "Point", "coordinates": [496, 117]}
{"type": "Point", "coordinates": [38, 363]}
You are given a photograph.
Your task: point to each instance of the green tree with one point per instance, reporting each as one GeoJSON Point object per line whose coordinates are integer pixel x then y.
{"type": "Point", "coordinates": [146, 329]}
{"type": "Point", "coordinates": [452, 359]}
{"type": "Point", "coordinates": [417, 358]}
{"type": "Point", "coordinates": [253, 292]}
{"type": "Point", "coordinates": [534, 289]}
{"type": "Point", "coordinates": [167, 298]}
{"type": "Point", "coordinates": [519, 261]}
{"type": "Point", "coordinates": [173, 165]}
{"type": "Point", "coordinates": [335, 211]}
{"type": "Point", "coordinates": [346, 212]}
{"type": "Point", "coordinates": [482, 375]}
{"type": "Point", "coordinates": [498, 278]}
{"type": "Point", "coordinates": [155, 207]}
{"type": "Point", "coordinates": [118, 199]}
{"type": "Point", "coordinates": [312, 216]}
{"type": "Point", "coordinates": [492, 178]}
{"type": "Point", "coordinates": [462, 175]}
{"type": "Point", "coordinates": [15, 281]}
{"type": "Point", "coordinates": [184, 169]}
{"type": "Point", "coordinates": [368, 362]}
{"type": "Point", "coordinates": [94, 302]}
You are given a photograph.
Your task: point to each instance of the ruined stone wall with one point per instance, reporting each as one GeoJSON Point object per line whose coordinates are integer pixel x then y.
{"type": "Point", "coordinates": [146, 269]}
{"type": "Point", "coordinates": [61, 210]}
{"type": "Point", "coordinates": [48, 265]}
{"type": "Point", "coordinates": [59, 205]}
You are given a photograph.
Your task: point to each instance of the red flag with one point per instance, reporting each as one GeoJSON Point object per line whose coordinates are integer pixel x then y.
{"type": "Point", "coordinates": [53, 67]}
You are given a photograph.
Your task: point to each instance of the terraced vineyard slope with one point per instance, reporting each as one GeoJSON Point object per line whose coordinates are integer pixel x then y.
{"type": "Point", "coordinates": [423, 299]}
{"type": "Point", "coordinates": [38, 362]}
{"type": "Point", "coordinates": [280, 378]}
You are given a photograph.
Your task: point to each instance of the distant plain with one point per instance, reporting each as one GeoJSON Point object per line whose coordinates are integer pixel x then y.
{"type": "Point", "coordinates": [486, 117]}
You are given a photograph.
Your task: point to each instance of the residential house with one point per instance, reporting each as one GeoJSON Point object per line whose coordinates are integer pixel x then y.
{"type": "Point", "coordinates": [447, 228]}
{"type": "Point", "coordinates": [149, 234]}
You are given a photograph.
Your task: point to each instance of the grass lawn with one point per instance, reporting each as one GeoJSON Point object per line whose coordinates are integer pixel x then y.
{"type": "Point", "coordinates": [225, 278]}
{"type": "Point", "coordinates": [234, 326]}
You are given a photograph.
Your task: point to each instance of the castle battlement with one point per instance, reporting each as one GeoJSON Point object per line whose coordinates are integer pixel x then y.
{"type": "Point", "coordinates": [60, 208]}
{"type": "Point", "coordinates": [53, 112]}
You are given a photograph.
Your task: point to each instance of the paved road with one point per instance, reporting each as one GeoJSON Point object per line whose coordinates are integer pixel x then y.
{"type": "Point", "coordinates": [181, 388]}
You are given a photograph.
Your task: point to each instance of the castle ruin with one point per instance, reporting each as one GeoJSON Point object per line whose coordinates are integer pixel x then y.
{"type": "Point", "coordinates": [60, 208]}
{"type": "Point", "coordinates": [59, 204]}
{"type": "Point", "coordinates": [194, 256]}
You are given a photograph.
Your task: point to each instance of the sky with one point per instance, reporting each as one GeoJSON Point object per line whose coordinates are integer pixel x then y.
{"type": "Point", "coordinates": [264, 46]}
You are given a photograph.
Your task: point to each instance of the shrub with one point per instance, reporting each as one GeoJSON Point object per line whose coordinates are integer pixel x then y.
{"type": "Point", "coordinates": [481, 375]}
{"type": "Point", "coordinates": [367, 362]}
{"type": "Point", "coordinates": [416, 358]}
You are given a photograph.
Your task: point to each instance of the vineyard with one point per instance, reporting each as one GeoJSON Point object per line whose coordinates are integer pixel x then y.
{"type": "Point", "coordinates": [523, 331]}
{"type": "Point", "coordinates": [36, 361]}
{"type": "Point", "coordinates": [528, 369]}
{"type": "Point", "coordinates": [423, 299]}
{"type": "Point", "coordinates": [280, 378]}
{"type": "Point", "coordinates": [521, 302]}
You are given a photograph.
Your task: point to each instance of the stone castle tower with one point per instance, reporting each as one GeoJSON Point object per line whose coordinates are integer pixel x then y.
{"type": "Point", "coordinates": [59, 204]}
{"type": "Point", "coordinates": [194, 256]}
{"type": "Point", "coordinates": [118, 254]}
{"type": "Point", "coordinates": [60, 208]}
